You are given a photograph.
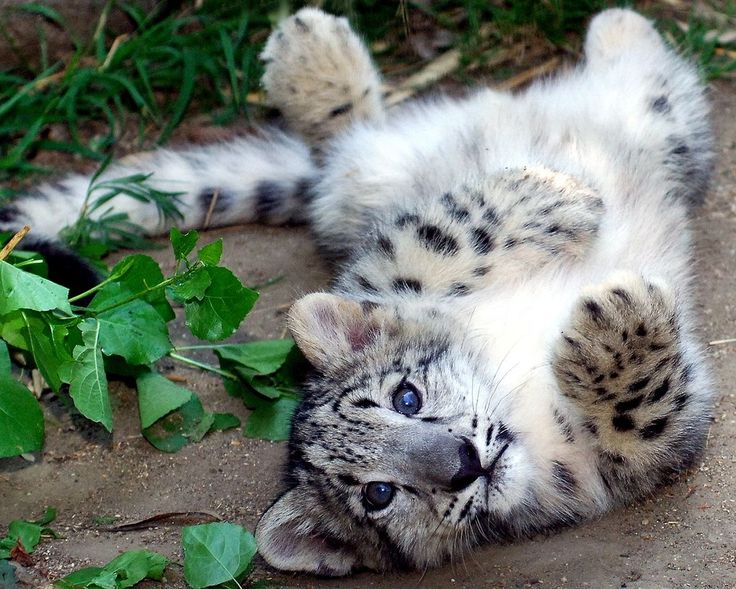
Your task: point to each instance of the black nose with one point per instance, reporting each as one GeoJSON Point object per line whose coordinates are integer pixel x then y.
{"type": "Point", "coordinates": [470, 467]}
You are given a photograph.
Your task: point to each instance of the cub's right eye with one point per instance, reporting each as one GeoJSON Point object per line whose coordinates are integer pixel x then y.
{"type": "Point", "coordinates": [406, 399]}
{"type": "Point", "coordinates": [378, 495]}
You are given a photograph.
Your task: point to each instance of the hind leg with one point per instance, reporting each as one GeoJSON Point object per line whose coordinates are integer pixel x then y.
{"type": "Point", "coordinates": [655, 100]}
{"type": "Point", "coordinates": [319, 74]}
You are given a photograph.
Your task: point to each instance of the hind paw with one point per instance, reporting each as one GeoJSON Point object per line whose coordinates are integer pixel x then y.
{"type": "Point", "coordinates": [320, 75]}
{"type": "Point", "coordinates": [615, 31]}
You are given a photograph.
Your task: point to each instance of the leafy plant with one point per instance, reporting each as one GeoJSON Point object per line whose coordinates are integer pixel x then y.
{"type": "Point", "coordinates": [124, 571]}
{"type": "Point", "coordinates": [123, 332]}
{"type": "Point", "coordinates": [20, 541]}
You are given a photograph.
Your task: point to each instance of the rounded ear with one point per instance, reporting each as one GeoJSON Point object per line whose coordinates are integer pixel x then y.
{"type": "Point", "coordinates": [289, 538]}
{"type": "Point", "coordinates": [328, 328]}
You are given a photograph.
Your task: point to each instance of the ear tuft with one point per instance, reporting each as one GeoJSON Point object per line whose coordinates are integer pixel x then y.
{"type": "Point", "coordinates": [289, 538]}
{"type": "Point", "coordinates": [328, 328]}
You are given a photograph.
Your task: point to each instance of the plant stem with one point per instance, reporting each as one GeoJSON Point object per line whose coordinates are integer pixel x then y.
{"type": "Point", "coordinates": [143, 293]}
{"type": "Point", "coordinates": [94, 289]}
{"type": "Point", "coordinates": [202, 365]}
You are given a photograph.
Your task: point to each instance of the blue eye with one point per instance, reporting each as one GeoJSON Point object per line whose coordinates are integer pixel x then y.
{"type": "Point", "coordinates": [378, 495]}
{"type": "Point", "coordinates": [406, 399]}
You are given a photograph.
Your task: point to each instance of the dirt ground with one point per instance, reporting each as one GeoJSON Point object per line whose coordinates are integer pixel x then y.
{"type": "Point", "coordinates": [685, 536]}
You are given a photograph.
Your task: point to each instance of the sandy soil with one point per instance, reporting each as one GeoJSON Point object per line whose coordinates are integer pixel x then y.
{"type": "Point", "coordinates": [685, 536]}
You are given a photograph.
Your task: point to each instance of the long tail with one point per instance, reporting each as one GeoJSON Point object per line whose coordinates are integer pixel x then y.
{"type": "Point", "coordinates": [263, 178]}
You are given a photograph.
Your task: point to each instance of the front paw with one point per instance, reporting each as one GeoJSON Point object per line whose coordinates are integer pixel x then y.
{"type": "Point", "coordinates": [620, 360]}
{"type": "Point", "coordinates": [616, 31]}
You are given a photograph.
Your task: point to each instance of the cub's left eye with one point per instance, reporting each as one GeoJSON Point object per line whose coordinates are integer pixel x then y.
{"type": "Point", "coordinates": [377, 495]}
{"type": "Point", "coordinates": [406, 399]}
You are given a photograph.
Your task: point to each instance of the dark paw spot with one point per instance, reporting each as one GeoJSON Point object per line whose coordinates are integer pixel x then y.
{"type": "Point", "coordinates": [654, 428]}
{"type": "Point", "coordinates": [623, 406]}
{"type": "Point", "coordinates": [481, 241]}
{"type": "Point", "coordinates": [386, 246]}
{"type": "Point", "coordinates": [681, 401]}
{"type": "Point", "coordinates": [599, 379]}
{"type": "Point", "coordinates": [622, 423]}
{"type": "Point", "coordinates": [641, 331]}
{"type": "Point", "coordinates": [510, 242]}
{"type": "Point", "coordinates": [594, 310]}
{"type": "Point", "coordinates": [436, 240]}
{"type": "Point", "coordinates": [660, 391]}
{"type": "Point", "coordinates": [481, 271]}
{"type": "Point", "coordinates": [680, 149]}
{"type": "Point", "coordinates": [638, 385]}
{"type": "Point", "coordinates": [491, 216]}
{"type": "Point", "coordinates": [301, 25]}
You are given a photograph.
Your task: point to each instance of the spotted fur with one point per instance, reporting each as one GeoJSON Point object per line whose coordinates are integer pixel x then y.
{"type": "Point", "coordinates": [508, 347]}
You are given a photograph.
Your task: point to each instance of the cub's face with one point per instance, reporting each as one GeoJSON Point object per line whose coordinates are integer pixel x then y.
{"type": "Point", "coordinates": [401, 454]}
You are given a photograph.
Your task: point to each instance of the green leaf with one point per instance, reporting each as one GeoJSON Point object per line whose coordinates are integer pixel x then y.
{"type": "Point", "coordinates": [216, 553]}
{"type": "Point", "coordinates": [46, 341]}
{"type": "Point", "coordinates": [182, 243]}
{"type": "Point", "coordinates": [191, 285]}
{"type": "Point", "coordinates": [126, 570]}
{"type": "Point", "coordinates": [264, 357]}
{"type": "Point", "coordinates": [22, 290]}
{"type": "Point", "coordinates": [157, 397]}
{"type": "Point", "coordinates": [88, 383]}
{"type": "Point", "coordinates": [136, 274]}
{"type": "Point", "coordinates": [134, 331]}
{"type": "Point", "coordinates": [21, 419]}
{"type": "Point", "coordinates": [27, 533]}
{"type": "Point", "coordinates": [271, 421]}
{"type": "Point", "coordinates": [172, 433]}
{"type": "Point", "coordinates": [7, 575]}
{"type": "Point", "coordinates": [224, 306]}
{"type": "Point", "coordinates": [224, 421]}
{"type": "Point", "coordinates": [4, 360]}
{"type": "Point", "coordinates": [211, 253]}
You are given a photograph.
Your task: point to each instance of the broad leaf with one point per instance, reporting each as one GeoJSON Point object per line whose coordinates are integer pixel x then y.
{"type": "Point", "coordinates": [216, 553]}
{"type": "Point", "coordinates": [264, 357]}
{"type": "Point", "coordinates": [136, 274]}
{"type": "Point", "coordinates": [191, 285]}
{"type": "Point", "coordinates": [182, 243]}
{"type": "Point", "coordinates": [126, 570]}
{"type": "Point", "coordinates": [271, 421]}
{"type": "Point", "coordinates": [87, 380]}
{"type": "Point", "coordinates": [157, 397]}
{"type": "Point", "coordinates": [22, 290]}
{"type": "Point", "coordinates": [174, 431]}
{"type": "Point", "coordinates": [21, 419]}
{"type": "Point", "coordinates": [134, 331]}
{"type": "Point", "coordinates": [45, 340]}
{"type": "Point", "coordinates": [224, 306]}
{"type": "Point", "coordinates": [211, 253]}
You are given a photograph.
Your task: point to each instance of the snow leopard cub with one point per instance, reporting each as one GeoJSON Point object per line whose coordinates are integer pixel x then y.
{"type": "Point", "coordinates": [509, 345]}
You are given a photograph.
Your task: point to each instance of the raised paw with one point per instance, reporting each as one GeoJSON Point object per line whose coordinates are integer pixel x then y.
{"type": "Point", "coordinates": [617, 30]}
{"type": "Point", "coordinates": [620, 360]}
{"type": "Point", "coordinates": [320, 75]}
